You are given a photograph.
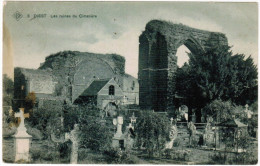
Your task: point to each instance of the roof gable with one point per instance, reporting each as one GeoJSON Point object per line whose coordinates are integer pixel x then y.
{"type": "Point", "coordinates": [118, 90]}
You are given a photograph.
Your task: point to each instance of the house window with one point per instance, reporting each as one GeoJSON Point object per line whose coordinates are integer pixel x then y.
{"type": "Point", "coordinates": [111, 90]}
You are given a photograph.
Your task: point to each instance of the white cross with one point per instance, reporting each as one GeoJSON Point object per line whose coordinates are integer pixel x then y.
{"type": "Point", "coordinates": [22, 116]}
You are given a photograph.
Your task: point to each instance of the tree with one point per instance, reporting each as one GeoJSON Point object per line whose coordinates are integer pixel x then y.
{"type": "Point", "coordinates": [152, 131]}
{"type": "Point", "coordinates": [242, 80]}
{"type": "Point", "coordinates": [8, 90]}
{"type": "Point", "coordinates": [30, 100]}
{"type": "Point", "coordinates": [220, 111]}
{"type": "Point", "coordinates": [216, 74]}
{"type": "Point", "coordinates": [94, 134]}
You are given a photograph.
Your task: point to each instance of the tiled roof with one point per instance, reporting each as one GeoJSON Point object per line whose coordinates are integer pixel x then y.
{"type": "Point", "coordinates": [95, 87]}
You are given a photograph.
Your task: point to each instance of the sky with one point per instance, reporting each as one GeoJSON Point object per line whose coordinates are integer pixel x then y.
{"type": "Point", "coordinates": [117, 27]}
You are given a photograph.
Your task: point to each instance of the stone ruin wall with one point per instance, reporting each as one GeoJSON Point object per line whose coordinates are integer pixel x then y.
{"type": "Point", "coordinates": [37, 81]}
{"type": "Point", "coordinates": [70, 68]}
{"type": "Point", "coordinates": [158, 45]}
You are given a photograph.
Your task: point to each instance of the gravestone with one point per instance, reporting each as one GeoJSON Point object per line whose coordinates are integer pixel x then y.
{"type": "Point", "coordinates": [208, 135]}
{"type": "Point", "coordinates": [22, 139]}
{"type": "Point", "coordinates": [173, 135]}
{"type": "Point", "coordinates": [73, 136]}
{"type": "Point", "coordinates": [129, 134]}
{"type": "Point", "coordinates": [118, 137]}
{"type": "Point", "coordinates": [248, 112]}
{"type": "Point", "coordinates": [192, 132]}
{"type": "Point", "coordinates": [129, 137]}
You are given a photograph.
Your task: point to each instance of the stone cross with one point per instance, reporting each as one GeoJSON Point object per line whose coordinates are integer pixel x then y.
{"type": "Point", "coordinates": [22, 116]}
{"type": "Point", "coordinates": [22, 139]}
{"type": "Point", "coordinates": [172, 135]}
{"type": "Point", "coordinates": [73, 136]}
{"type": "Point", "coordinates": [118, 135]}
{"type": "Point", "coordinates": [192, 131]}
{"type": "Point", "coordinates": [119, 126]}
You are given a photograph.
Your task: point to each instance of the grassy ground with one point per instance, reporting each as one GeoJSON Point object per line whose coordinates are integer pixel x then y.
{"type": "Point", "coordinates": [47, 155]}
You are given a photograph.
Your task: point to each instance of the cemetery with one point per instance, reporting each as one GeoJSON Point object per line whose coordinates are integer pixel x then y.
{"type": "Point", "coordinates": [121, 140]}
{"type": "Point", "coordinates": [202, 113]}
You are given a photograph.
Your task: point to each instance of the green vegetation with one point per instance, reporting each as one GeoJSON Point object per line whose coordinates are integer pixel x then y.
{"type": "Point", "coordinates": [152, 132]}
{"type": "Point", "coordinates": [8, 90]}
{"type": "Point", "coordinates": [217, 75]}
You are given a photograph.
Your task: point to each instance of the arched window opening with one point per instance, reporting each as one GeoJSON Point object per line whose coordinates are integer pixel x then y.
{"type": "Point", "coordinates": [182, 54]}
{"type": "Point", "coordinates": [111, 90]}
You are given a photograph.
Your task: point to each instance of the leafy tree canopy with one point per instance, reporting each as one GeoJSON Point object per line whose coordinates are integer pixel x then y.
{"type": "Point", "coordinates": [216, 74]}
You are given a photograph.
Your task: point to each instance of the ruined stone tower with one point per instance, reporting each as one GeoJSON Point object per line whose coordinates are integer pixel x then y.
{"type": "Point", "coordinates": [158, 45]}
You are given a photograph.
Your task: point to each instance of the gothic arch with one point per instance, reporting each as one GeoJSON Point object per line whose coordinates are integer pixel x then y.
{"type": "Point", "coordinates": [158, 62]}
{"type": "Point", "coordinates": [192, 44]}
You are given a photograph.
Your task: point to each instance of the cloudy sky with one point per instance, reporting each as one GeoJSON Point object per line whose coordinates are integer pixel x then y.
{"type": "Point", "coordinates": [118, 26]}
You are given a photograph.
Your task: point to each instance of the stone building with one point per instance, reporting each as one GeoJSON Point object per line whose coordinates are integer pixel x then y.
{"type": "Point", "coordinates": [158, 45]}
{"type": "Point", "coordinates": [102, 93]}
{"type": "Point", "coordinates": [68, 74]}
{"type": "Point", "coordinates": [29, 80]}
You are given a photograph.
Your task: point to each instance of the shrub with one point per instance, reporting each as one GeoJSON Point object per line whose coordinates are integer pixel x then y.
{"type": "Point", "coordinates": [177, 142]}
{"type": "Point", "coordinates": [219, 110]}
{"type": "Point", "coordinates": [50, 155]}
{"type": "Point", "coordinates": [35, 133]}
{"type": "Point", "coordinates": [36, 153]}
{"type": "Point", "coordinates": [182, 155]}
{"type": "Point", "coordinates": [65, 150]}
{"type": "Point", "coordinates": [152, 132]}
{"type": "Point", "coordinates": [44, 120]}
{"type": "Point", "coordinates": [118, 156]}
{"type": "Point", "coordinates": [218, 157]}
{"type": "Point", "coordinates": [30, 100]}
{"type": "Point", "coordinates": [94, 134]}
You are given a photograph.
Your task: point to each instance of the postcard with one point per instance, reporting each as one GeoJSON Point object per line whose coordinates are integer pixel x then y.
{"type": "Point", "coordinates": [130, 82]}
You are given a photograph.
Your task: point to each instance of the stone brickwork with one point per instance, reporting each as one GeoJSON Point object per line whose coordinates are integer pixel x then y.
{"type": "Point", "coordinates": [67, 74]}
{"type": "Point", "coordinates": [30, 80]}
{"type": "Point", "coordinates": [158, 45]}
{"type": "Point", "coordinates": [131, 90]}
{"type": "Point", "coordinates": [76, 70]}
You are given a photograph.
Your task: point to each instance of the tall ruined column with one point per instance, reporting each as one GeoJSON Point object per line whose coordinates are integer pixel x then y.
{"type": "Point", "coordinates": [144, 73]}
{"type": "Point", "coordinates": [172, 66]}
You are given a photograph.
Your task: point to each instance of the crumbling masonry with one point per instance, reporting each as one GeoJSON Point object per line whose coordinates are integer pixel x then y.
{"type": "Point", "coordinates": [158, 45]}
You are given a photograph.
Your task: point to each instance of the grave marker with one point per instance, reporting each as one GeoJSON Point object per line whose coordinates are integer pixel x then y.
{"type": "Point", "coordinates": [118, 135]}
{"type": "Point", "coordinates": [74, 137]}
{"type": "Point", "coordinates": [22, 139]}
